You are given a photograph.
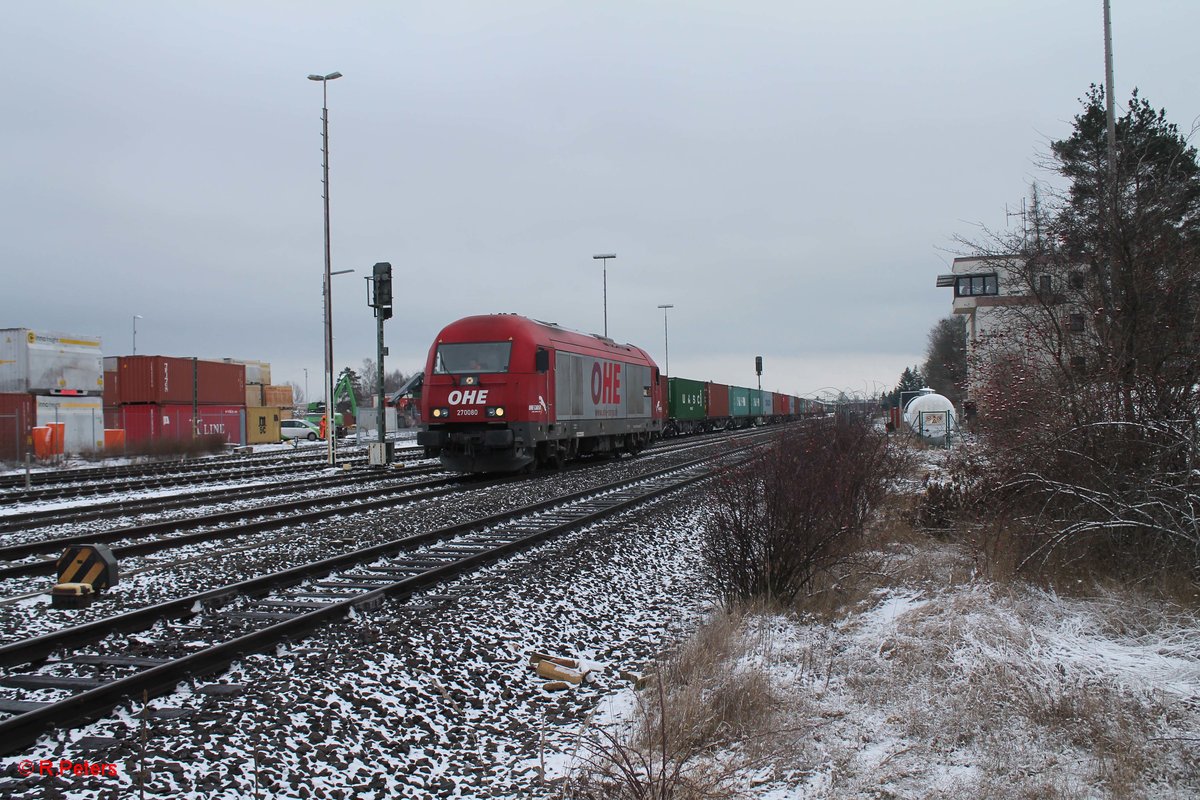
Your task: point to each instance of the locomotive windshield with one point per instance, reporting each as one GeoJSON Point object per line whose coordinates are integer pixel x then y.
{"type": "Point", "coordinates": [453, 359]}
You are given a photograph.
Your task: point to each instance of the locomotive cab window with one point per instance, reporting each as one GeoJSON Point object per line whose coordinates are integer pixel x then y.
{"type": "Point", "coordinates": [472, 357]}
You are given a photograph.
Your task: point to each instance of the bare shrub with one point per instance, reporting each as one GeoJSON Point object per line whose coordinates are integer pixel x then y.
{"type": "Point", "coordinates": [1116, 498]}
{"type": "Point", "coordinates": [795, 510]}
{"type": "Point", "coordinates": [198, 446]}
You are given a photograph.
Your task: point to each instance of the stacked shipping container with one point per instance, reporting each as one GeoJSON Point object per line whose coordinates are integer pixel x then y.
{"type": "Point", "coordinates": [63, 380]}
{"type": "Point", "coordinates": [17, 416]}
{"type": "Point", "coordinates": [49, 379]}
{"type": "Point", "coordinates": [162, 397]}
{"type": "Point", "coordinates": [258, 375]}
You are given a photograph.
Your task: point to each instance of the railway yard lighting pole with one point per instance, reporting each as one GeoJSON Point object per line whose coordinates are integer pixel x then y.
{"type": "Point", "coordinates": [666, 342]}
{"type": "Point", "coordinates": [605, 257]}
{"type": "Point", "coordinates": [136, 317]}
{"type": "Point", "coordinates": [330, 432]}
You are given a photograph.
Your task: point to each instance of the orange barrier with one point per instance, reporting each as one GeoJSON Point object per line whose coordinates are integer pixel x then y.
{"type": "Point", "coordinates": [58, 437]}
{"type": "Point", "coordinates": [43, 441]}
{"type": "Point", "coordinates": [114, 438]}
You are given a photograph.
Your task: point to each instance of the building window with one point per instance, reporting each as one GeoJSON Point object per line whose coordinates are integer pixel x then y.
{"type": "Point", "coordinates": [1078, 363]}
{"type": "Point", "coordinates": [1077, 279]}
{"type": "Point", "coordinates": [1043, 284]}
{"type": "Point", "coordinates": [976, 285]}
{"type": "Point", "coordinates": [1075, 322]}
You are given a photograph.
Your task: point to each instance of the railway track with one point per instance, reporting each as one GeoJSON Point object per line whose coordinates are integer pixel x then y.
{"type": "Point", "coordinates": [59, 484]}
{"type": "Point", "coordinates": [23, 561]}
{"type": "Point", "coordinates": [226, 622]}
{"type": "Point", "coordinates": [223, 524]}
{"type": "Point", "coordinates": [25, 520]}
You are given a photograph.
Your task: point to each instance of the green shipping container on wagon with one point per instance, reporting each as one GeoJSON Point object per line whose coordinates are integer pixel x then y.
{"type": "Point", "coordinates": [755, 403]}
{"type": "Point", "coordinates": [685, 399]}
{"type": "Point", "coordinates": [739, 402]}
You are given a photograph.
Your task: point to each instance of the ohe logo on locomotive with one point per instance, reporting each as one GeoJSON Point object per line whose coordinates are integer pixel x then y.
{"type": "Point", "coordinates": [469, 396]}
{"type": "Point", "coordinates": [606, 383]}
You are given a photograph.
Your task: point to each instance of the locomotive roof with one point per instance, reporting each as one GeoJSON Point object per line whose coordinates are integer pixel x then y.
{"type": "Point", "coordinates": [516, 321]}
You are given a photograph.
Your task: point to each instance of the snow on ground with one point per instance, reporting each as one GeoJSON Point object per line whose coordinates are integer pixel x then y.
{"type": "Point", "coordinates": [985, 691]}
{"type": "Point", "coordinates": [939, 683]}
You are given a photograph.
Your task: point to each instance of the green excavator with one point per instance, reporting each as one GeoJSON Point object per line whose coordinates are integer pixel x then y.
{"type": "Point", "coordinates": [342, 391]}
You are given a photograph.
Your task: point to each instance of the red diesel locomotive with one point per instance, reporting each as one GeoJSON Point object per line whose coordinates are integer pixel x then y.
{"type": "Point", "coordinates": [503, 393]}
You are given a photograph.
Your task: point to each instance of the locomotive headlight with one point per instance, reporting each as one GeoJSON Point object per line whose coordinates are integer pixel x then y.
{"type": "Point", "coordinates": [500, 411]}
{"type": "Point", "coordinates": [437, 412]}
{"type": "Point", "coordinates": [495, 411]}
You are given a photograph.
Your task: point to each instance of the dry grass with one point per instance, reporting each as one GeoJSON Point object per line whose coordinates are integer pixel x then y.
{"type": "Point", "coordinates": [707, 712]}
{"type": "Point", "coordinates": [928, 665]}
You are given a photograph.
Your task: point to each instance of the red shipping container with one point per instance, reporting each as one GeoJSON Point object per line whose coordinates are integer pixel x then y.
{"type": "Point", "coordinates": [779, 408]}
{"type": "Point", "coordinates": [152, 422]}
{"type": "Point", "coordinates": [17, 416]}
{"type": "Point", "coordinates": [718, 400]}
{"type": "Point", "coordinates": [221, 383]}
{"type": "Point", "coordinates": [167, 380]}
{"type": "Point", "coordinates": [112, 394]}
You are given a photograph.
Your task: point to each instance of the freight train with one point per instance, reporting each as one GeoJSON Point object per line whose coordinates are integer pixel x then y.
{"type": "Point", "coordinates": [503, 393]}
{"type": "Point", "coordinates": [699, 406]}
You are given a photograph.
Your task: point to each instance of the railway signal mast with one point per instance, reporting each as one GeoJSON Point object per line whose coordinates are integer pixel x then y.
{"type": "Point", "coordinates": [381, 301]}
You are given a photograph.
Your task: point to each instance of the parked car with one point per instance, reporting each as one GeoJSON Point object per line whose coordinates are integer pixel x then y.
{"type": "Point", "coordinates": [299, 429]}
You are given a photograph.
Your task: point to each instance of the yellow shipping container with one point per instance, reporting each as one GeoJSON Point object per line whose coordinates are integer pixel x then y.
{"type": "Point", "coordinates": [286, 413]}
{"type": "Point", "coordinates": [280, 396]}
{"type": "Point", "coordinates": [262, 425]}
{"type": "Point", "coordinates": [254, 395]}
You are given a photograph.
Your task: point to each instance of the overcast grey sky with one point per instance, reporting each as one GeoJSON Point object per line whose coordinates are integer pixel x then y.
{"type": "Point", "coordinates": [790, 175]}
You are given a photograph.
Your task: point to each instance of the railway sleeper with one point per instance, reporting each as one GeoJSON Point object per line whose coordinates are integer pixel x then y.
{"type": "Point", "coordinates": [259, 616]}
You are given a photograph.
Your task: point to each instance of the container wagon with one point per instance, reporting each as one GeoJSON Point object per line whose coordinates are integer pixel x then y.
{"type": "Point", "coordinates": [686, 402]}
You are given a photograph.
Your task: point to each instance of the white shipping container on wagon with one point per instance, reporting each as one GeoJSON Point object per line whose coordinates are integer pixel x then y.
{"type": "Point", "coordinates": [41, 362]}
{"type": "Point", "coordinates": [82, 419]}
{"type": "Point", "coordinates": [930, 415]}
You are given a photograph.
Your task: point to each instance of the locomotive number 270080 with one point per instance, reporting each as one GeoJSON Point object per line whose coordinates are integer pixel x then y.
{"type": "Point", "coordinates": [467, 412]}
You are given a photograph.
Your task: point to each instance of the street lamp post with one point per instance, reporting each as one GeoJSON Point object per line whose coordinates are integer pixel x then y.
{"type": "Point", "coordinates": [330, 432]}
{"type": "Point", "coordinates": [136, 317]}
{"type": "Point", "coordinates": [666, 341]}
{"type": "Point", "coordinates": [306, 384]}
{"type": "Point", "coordinates": [604, 257]}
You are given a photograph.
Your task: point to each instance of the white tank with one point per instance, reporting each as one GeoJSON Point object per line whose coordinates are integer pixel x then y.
{"type": "Point", "coordinates": [930, 415]}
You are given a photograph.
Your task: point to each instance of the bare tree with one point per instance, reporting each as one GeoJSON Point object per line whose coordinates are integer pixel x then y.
{"type": "Point", "coordinates": [945, 368]}
{"type": "Point", "coordinates": [369, 378]}
{"type": "Point", "coordinates": [1090, 388]}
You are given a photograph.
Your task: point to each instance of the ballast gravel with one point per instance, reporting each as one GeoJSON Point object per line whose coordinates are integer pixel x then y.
{"type": "Point", "coordinates": [432, 697]}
